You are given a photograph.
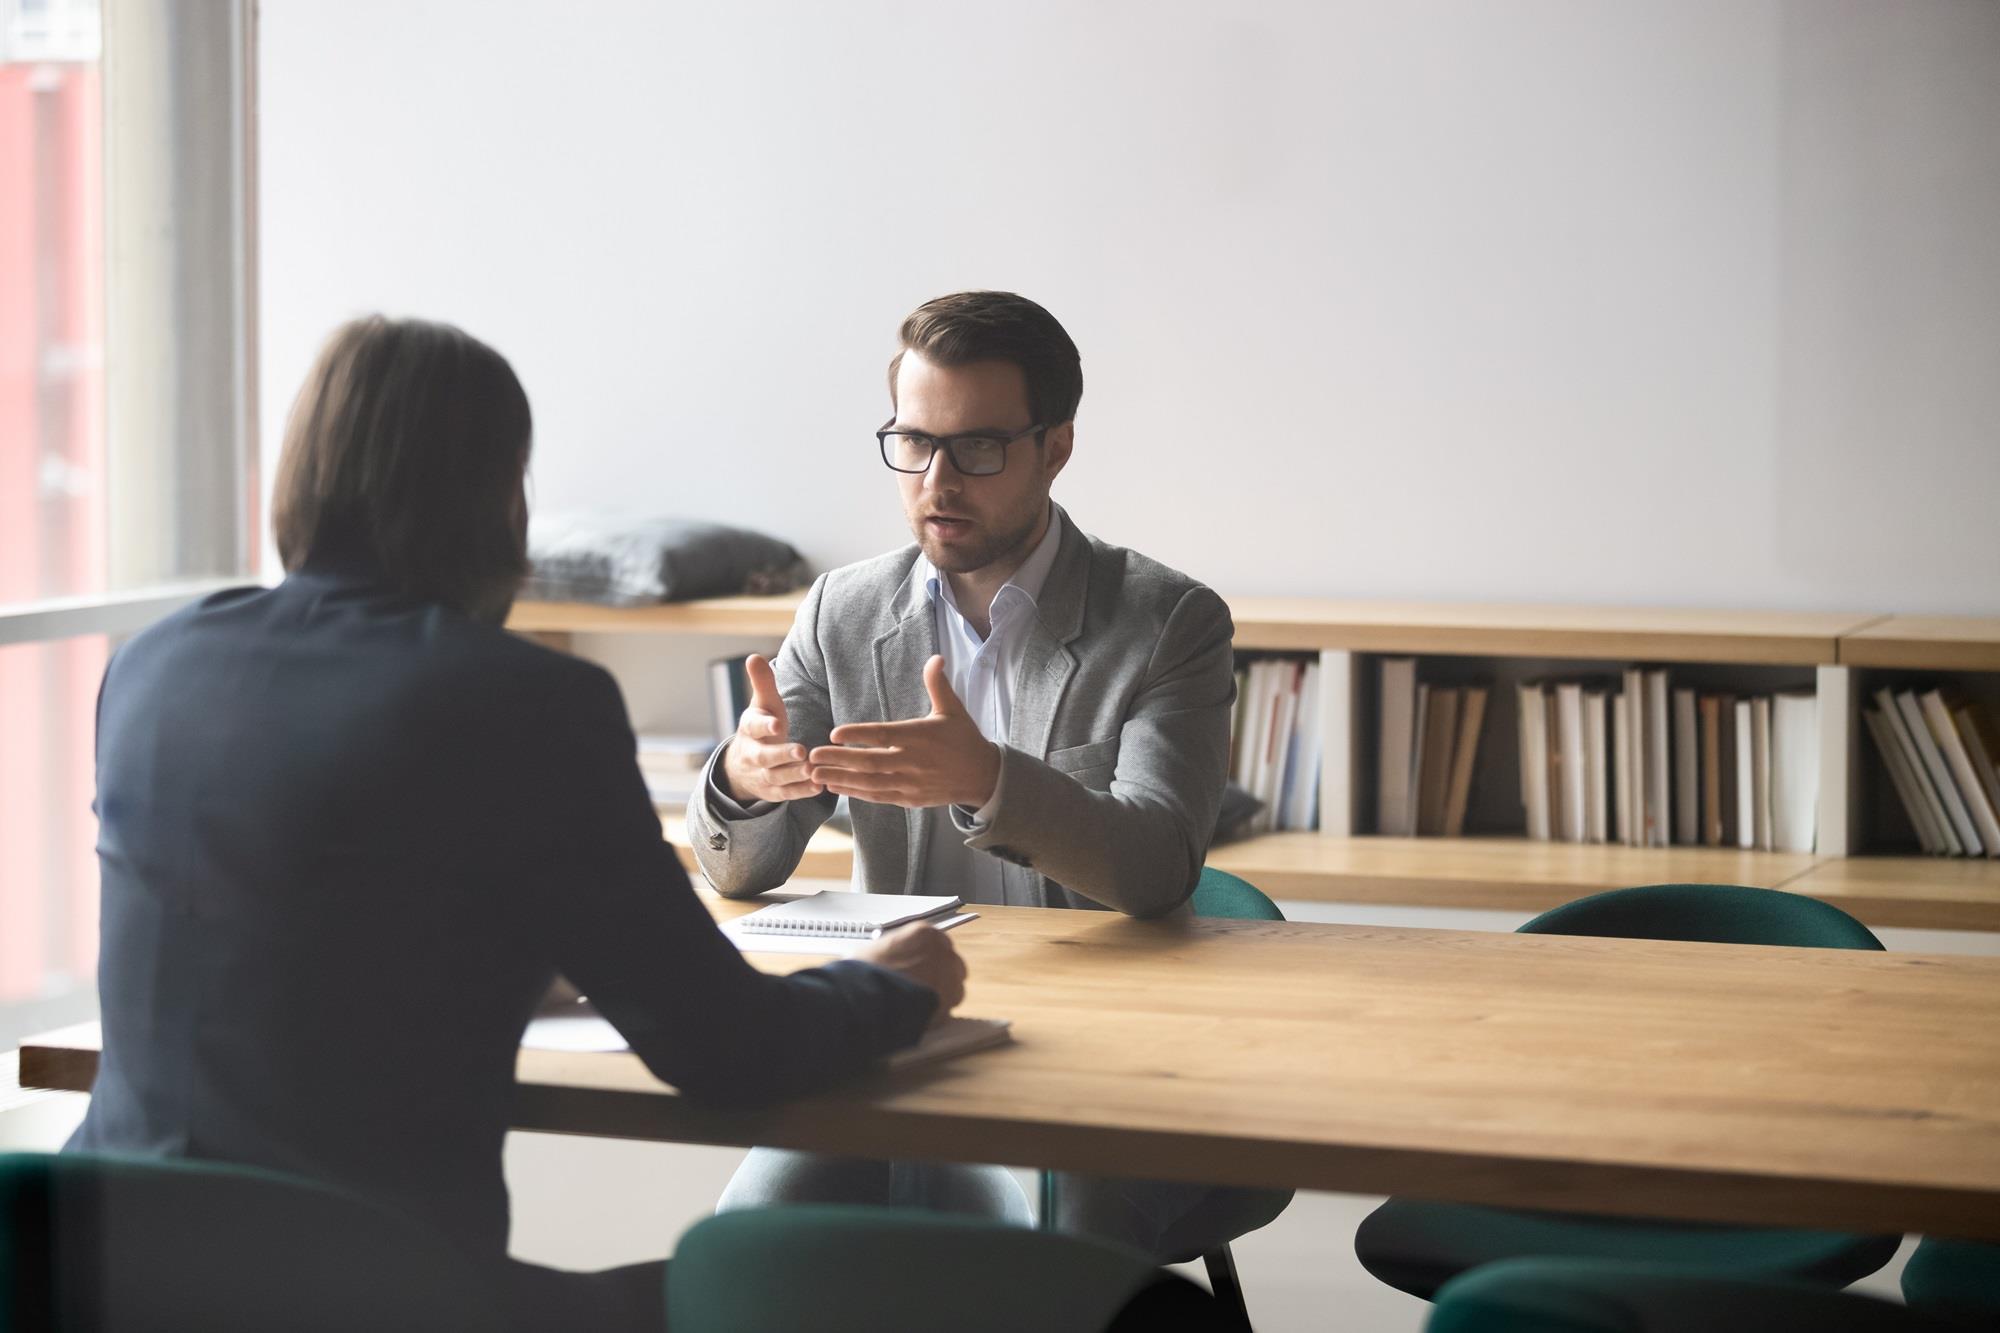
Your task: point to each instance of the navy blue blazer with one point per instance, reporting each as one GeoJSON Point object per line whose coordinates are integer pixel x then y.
{"type": "Point", "coordinates": [348, 838]}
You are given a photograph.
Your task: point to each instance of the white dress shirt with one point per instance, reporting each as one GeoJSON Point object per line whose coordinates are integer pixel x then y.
{"type": "Point", "coordinates": [981, 672]}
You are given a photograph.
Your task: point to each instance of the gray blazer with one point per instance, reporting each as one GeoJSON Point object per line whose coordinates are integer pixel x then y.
{"type": "Point", "coordinates": [1115, 758]}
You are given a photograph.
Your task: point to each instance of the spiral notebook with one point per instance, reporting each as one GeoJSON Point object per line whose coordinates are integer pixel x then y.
{"type": "Point", "coordinates": [841, 914]}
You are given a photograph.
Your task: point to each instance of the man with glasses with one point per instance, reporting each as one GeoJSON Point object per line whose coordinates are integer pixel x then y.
{"type": "Point", "coordinates": [1016, 712]}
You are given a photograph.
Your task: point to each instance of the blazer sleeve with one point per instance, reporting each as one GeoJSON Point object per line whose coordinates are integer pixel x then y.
{"type": "Point", "coordinates": [624, 925]}
{"type": "Point", "coordinates": [744, 854]}
{"type": "Point", "coordinates": [1139, 847]}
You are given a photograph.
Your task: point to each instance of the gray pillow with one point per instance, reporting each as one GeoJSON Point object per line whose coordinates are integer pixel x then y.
{"type": "Point", "coordinates": [617, 560]}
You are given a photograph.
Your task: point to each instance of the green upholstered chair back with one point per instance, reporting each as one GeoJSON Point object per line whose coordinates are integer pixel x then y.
{"type": "Point", "coordinates": [813, 1268]}
{"type": "Point", "coordinates": [1221, 894]}
{"type": "Point", "coordinates": [115, 1244]}
{"type": "Point", "coordinates": [1959, 1279]}
{"type": "Point", "coordinates": [1711, 913]}
{"type": "Point", "coordinates": [1596, 1296]}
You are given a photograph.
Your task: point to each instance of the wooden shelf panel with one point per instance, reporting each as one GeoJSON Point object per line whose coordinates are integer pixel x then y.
{"type": "Point", "coordinates": [1926, 643]}
{"type": "Point", "coordinates": [829, 855]}
{"type": "Point", "coordinates": [714, 615]}
{"type": "Point", "coordinates": [1927, 892]}
{"type": "Point", "coordinates": [1502, 874]}
{"type": "Point", "coordinates": [1618, 633]}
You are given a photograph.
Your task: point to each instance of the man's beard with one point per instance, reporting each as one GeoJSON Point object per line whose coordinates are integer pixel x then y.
{"type": "Point", "coordinates": [964, 559]}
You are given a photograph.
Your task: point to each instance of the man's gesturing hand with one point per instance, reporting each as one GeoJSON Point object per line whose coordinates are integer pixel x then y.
{"type": "Point", "coordinates": [922, 953]}
{"type": "Point", "coordinates": [761, 763]}
{"type": "Point", "coordinates": [936, 760]}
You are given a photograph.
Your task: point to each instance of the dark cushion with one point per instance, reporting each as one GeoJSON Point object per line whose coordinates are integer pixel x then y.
{"type": "Point", "coordinates": [1417, 1245]}
{"type": "Point", "coordinates": [614, 560]}
{"type": "Point", "coordinates": [1583, 1296]}
{"type": "Point", "coordinates": [1960, 1278]}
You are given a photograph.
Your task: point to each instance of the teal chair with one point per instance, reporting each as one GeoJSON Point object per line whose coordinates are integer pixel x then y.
{"type": "Point", "coordinates": [1221, 895]}
{"type": "Point", "coordinates": [1418, 1245]}
{"type": "Point", "coordinates": [821, 1268]}
{"type": "Point", "coordinates": [1595, 1296]}
{"type": "Point", "coordinates": [117, 1245]}
{"type": "Point", "coordinates": [1957, 1279]}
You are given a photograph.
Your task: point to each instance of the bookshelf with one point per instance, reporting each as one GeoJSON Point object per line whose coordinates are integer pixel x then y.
{"type": "Point", "coordinates": [1857, 864]}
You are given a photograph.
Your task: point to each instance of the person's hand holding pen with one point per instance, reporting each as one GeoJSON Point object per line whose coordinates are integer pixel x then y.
{"type": "Point", "coordinates": [923, 953]}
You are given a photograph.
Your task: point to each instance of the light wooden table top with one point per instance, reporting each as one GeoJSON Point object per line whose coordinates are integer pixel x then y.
{"type": "Point", "coordinates": [1728, 1083]}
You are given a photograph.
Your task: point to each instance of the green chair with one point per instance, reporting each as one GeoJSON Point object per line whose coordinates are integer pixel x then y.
{"type": "Point", "coordinates": [819, 1268]}
{"type": "Point", "coordinates": [1418, 1245]}
{"type": "Point", "coordinates": [1958, 1279]}
{"type": "Point", "coordinates": [1217, 894]}
{"type": "Point", "coordinates": [112, 1244]}
{"type": "Point", "coordinates": [1594, 1296]}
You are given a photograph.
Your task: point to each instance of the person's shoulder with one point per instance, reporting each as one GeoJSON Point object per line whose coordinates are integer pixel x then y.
{"type": "Point", "coordinates": [1139, 582]}
{"type": "Point", "coordinates": [873, 578]}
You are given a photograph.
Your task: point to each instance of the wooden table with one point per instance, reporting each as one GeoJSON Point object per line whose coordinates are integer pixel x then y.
{"type": "Point", "coordinates": [1719, 1082]}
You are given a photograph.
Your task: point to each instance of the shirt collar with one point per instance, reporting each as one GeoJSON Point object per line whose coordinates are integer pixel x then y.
{"type": "Point", "coordinates": [1026, 581]}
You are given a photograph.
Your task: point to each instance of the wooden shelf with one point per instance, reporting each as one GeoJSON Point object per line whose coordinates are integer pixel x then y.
{"type": "Point", "coordinates": [1618, 633]}
{"type": "Point", "coordinates": [1927, 892]}
{"type": "Point", "coordinates": [714, 615]}
{"type": "Point", "coordinates": [1502, 874]}
{"type": "Point", "coordinates": [1926, 643]}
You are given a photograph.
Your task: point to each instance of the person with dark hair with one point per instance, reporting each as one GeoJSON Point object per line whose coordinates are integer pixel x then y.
{"type": "Point", "coordinates": [1016, 712]}
{"type": "Point", "coordinates": [351, 830]}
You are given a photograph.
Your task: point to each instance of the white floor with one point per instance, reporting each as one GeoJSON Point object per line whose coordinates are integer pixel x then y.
{"type": "Point", "coordinates": [590, 1203]}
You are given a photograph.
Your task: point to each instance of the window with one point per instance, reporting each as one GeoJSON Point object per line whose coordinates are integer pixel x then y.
{"type": "Point", "coordinates": [126, 486]}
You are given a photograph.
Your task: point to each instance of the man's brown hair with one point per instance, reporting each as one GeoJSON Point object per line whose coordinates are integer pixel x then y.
{"type": "Point", "coordinates": [406, 448]}
{"type": "Point", "coordinates": [965, 327]}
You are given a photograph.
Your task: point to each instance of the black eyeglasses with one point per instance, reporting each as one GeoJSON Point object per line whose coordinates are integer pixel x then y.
{"type": "Point", "coordinates": [973, 455]}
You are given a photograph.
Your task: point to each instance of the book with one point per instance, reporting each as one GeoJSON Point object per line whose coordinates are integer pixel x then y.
{"type": "Point", "coordinates": [1301, 811]}
{"type": "Point", "coordinates": [1726, 762]}
{"type": "Point", "coordinates": [1621, 766]}
{"type": "Point", "coordinates": [1659, 791]}
{"type": "Point", "coordinates": [1596, 774]}
{"type": "Point", "coordinates": [1534, 724]}
{"type": "Point", "coordinates": [1940, 775]}
{"type": "Point", "coordinates": [1985, 818]}
{"type": "Point", "coordinates": [728, 694]}
{"type": "Point", "coordinates": [1396, 757]}
{"type": "Point", "coordinates": [1687, 770]}
{"type": "Point", "coordinates": [1440, 745]}
{"type": "Point", "coordinates": [837, 913]}
{"type": "Point", "coordinates": [1899, 728]}
{"type": "Point", "coordinates": [1570, 794]}
{"type": "Point", "coordinates": [1980, 747]}
{"type": "Point", "coordinates": [1794, 770]}
{"type": "Point", "coordinates": [957, 1035]}
{"type": "Point", "coordinates": [1711, 770]}
{"type": "Point", "coordinates": [1904, 781]}
{"type": "Point", "coordinates": [1465, 752]}
{"type": "Point", "coordinates": [1278, 750]}
{"type": "Point", "coordinates": [1746, 775]}
{"type": "Point", "coordinates": [1760, 770]}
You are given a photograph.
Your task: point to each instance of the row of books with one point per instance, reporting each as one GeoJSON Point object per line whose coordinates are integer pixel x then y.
{"type": "Point", "coordinates": [1650, 765]}
{"type": "Point", "coordinates": [1275, 742]}
{"type": "Point", "coordinates": [1940, 754]}
{"type": "Point", "coordinates": [1429, 743]}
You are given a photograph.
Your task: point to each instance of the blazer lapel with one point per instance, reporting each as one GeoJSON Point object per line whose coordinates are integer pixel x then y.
{"type": "Point", "coordinates": [1046, 664]}
{"type": "Point", "coordinates": [899, 682]}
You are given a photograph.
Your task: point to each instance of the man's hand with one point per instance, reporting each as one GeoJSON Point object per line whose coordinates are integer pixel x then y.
{"type": "Point", "coordinates": [925, 954]}
{"type": "Point", "coordinates": [936, 760]}
{"type": "Point", "coordinates": [761, 763]}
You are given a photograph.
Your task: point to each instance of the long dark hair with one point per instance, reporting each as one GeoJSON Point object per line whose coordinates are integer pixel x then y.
{"type": "Point", "coordinates": [406, 447]}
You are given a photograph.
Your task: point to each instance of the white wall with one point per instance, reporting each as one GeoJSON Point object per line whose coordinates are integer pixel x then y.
{"type": "Point", "coordinates": [1659, 301]}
